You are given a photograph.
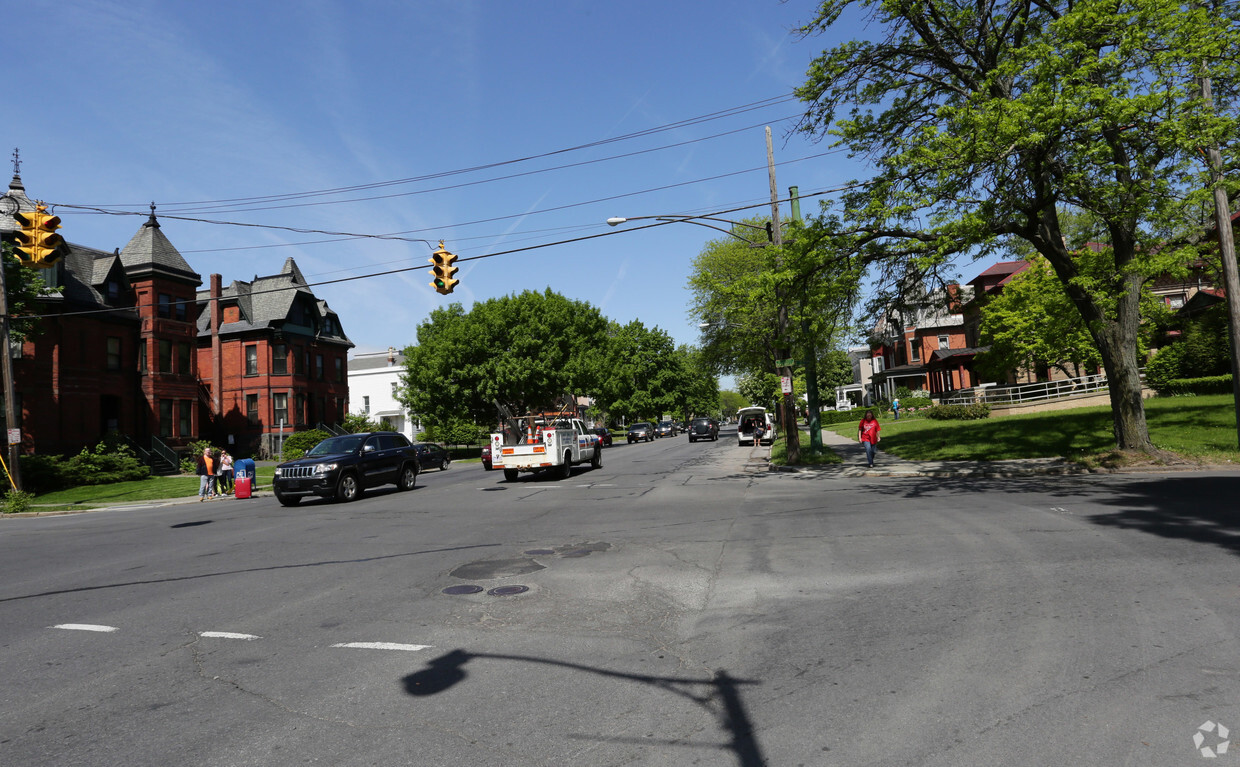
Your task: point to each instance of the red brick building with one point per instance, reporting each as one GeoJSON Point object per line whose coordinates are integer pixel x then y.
{"type": "Point", "coordinates": [127, 346]}
{"type": "Point", "coordinates": [270, 353]}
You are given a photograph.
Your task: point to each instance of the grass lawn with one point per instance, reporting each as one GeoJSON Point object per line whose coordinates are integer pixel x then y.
{"type": "Point", "coordinates": [149, 489]}
{"type": "Point", "coordinates": [1200, 428]}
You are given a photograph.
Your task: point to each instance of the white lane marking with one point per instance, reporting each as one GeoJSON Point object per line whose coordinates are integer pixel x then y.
{"type": "Point", "coordinates": [227, 635]}
{"type": "Point", "coordinates": [383, 646]}
{"type": "Point", "coordinates": [86, 627]}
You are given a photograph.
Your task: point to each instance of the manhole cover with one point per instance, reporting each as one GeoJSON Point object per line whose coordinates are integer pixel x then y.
{"type": "Point", "coordinates": [575, 553]}
{"type": "Point", "coordinates": [454, 590]}
{"type": "Point", "coordinates": [507, 591]}
{"type": "Point", "coordinates": [538, 552]}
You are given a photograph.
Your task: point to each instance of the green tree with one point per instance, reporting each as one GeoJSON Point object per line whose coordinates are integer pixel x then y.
{"type": "Point", "coordinates": [760, 389]}
{"type": "Point", "coordinates": [641, 375]}
{"type": "Point", "coordinates": [730, 402]}
{"type": "Point", "coordinates": [525, 351]}
{"type": "Point", "coordinates": [988, 121]}
{"type": "Point", "coordinates": [356, 423]}
{"type": "Point", "coordinates": [1032, 322]}
{"type": "Point", "coordinates": [758, 305]}
{"type": "Point", "coordinates": [698, 385]}
{"type": "Point", "coordinates": [24, 287]}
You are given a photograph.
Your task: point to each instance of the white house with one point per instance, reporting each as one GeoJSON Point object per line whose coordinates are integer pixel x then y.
{"type": "Point", "coordinates": [373, 381]}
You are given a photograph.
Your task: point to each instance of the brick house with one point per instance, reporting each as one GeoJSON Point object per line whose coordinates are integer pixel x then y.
{"type": "Point", "coordinates": [273, 358]}
{"type": "Point", "coordinates": [122, 349]}
{"type": "Point", "coordinates": [924, 348]}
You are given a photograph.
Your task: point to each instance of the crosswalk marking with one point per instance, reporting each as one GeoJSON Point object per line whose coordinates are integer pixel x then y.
{"type": "Point", "coordinates": [383, 646]}
{"type": "Point", "coordinates": [86, 627]}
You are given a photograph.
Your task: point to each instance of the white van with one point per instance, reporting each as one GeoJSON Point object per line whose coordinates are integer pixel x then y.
{"type": "Point", "coordinates": [746, 418]}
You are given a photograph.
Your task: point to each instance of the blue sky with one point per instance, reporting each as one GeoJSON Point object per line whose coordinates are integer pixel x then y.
{"type": "Point", "coordinates": [207, 108]}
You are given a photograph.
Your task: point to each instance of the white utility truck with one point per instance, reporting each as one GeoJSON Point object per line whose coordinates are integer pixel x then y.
{"type": "Point", "coordinates": [544, 443]}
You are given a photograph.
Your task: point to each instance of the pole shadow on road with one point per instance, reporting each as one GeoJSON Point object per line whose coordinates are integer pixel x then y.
{"type": "Point", "coordinates": [720, 695]}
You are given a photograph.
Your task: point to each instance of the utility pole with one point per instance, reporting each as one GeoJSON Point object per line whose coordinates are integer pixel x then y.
{"type": "Point", "coordinates": [13, 448]}
{"type": "Point", "coordinates": [812, 402]}
{"type": "Point", "coordinates": [1227, 249]}
{"type": "Point", "coordinates": [788, 413]}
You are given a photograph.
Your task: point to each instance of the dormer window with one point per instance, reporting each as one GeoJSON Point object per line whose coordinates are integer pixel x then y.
{"type": "Point", "coordinates": [112, 289]}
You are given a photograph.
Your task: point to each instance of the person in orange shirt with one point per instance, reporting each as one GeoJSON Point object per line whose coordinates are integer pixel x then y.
{"type": "Point", "coordinates": [867, 435]}
{"type": "Point", "coordinates": [206, 475]}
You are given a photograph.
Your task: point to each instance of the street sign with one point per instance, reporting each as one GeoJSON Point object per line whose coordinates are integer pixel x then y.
{"type": "Point", "coordinates": [786, 383]}
{"type": "Point", "coordinates": [788, 363]}
{"type": "Point", "coordinates": [15, 436]}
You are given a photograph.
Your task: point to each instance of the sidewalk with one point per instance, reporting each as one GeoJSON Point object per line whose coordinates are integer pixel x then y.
{"type": "Point", "coordinates": [154, 503]}
{"type": "Point", "coordinates": [886, 465]}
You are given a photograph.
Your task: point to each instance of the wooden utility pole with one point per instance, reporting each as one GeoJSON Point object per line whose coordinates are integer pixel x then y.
{"type": "Point", "coordinates": [1227, 250]}
{"type": "Point", "coordinates": [788, 411]}
{"type": "Point", "coordinates": [13, 449]}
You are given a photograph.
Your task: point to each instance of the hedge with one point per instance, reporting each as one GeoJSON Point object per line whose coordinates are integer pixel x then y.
{"type": "Point", "coordinates": [958, 412]}
{"type": "Point", "coordinates": [1178, 387]}
{"type": "Point", "coordinates": [105, 464]}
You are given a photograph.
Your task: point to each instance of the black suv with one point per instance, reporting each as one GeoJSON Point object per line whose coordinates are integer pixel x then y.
{"type": "Point", "coordinates": [703, 428]}
{"type": "Point", "coordinates": [343, 467]}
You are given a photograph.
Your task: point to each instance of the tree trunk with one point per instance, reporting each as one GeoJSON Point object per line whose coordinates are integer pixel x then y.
{"type": "Point", "coordinates": [1116, 339]}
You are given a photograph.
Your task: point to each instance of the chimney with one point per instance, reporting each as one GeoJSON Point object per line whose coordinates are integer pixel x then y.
{"type": "Point", "coordinates": [217, 367]}
{"type": "Point", "coordinates": [391, 355]}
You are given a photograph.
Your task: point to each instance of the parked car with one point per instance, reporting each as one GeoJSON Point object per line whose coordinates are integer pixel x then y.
{"type": "Point", "coordinates": [343, 467]}
{"type": "Point", "coordinates": [486, 457]}
{"type": "Point", "coordinates": [604, 435]}
{"type": "Point", "coordinates": [432, 456]}
{"type": "Point", "coordinates": [641, 432]}
{"type": "Point", "coordinates": [665, 429]}
{"type": "Point", "coordinates": [703, 428]}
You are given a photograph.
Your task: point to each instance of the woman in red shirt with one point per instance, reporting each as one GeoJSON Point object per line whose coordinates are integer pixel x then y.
{"type": "Point", "coordinates": [867, 435]}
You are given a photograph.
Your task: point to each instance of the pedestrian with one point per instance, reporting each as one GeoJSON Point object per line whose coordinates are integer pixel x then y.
{"type": "Point", "coordinates": [895, 407]}
{"type": "Point", "coordinates": [206, 478]}
{"type": "Point", "coordinates": [226, 473]}
{"type": "Point", "coordinates": [867, 435]}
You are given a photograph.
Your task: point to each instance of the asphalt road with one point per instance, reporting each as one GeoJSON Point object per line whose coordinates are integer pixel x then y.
{"type": "Point", "coordinates": [681, 607]}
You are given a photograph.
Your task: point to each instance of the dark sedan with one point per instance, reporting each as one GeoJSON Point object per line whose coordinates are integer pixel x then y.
{"type": "Point", "coordinates": [641, 432]}
{"type": "Point", "coordinates": [432, 456]}
{"type": "Point", "coordinates": [665, 429]}
{"type": "Point", "coordinates": [604, 435]}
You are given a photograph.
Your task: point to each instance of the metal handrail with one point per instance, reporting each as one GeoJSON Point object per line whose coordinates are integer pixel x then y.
{"type": "Point", "coordinates": [1031, 392]}
{"type": "Point", "coordinates": [141, 453]}
{"type": "Point", "coordinates": [165, 452]}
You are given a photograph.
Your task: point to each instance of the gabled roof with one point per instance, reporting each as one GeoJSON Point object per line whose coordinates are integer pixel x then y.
{"type": "Point", "coordinates": [150, 253]}
{"type": "Point", "coordinates": [268, 302]}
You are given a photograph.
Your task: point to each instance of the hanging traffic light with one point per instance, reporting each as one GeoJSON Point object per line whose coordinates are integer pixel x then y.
{"type": "Point", "coordinates": [37, 241]}
{"type": "Point", "coordinates": [443, 270]}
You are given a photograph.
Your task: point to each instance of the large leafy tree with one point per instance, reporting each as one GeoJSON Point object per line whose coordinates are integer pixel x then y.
{"type": "Point", "coordinates": [642, 372]}
{"type": "Point", "coordinates": [985, 121]}
{"type": "Point", "coordinates": [698, 386]}
{"type": "Point", "coordinates": [525, 351]}
{"type": "Point", "coordinates": [756, 305]}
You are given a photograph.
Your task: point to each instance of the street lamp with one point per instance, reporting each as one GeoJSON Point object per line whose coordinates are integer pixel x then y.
{"type": "Point", "coordinates": [687, 219]}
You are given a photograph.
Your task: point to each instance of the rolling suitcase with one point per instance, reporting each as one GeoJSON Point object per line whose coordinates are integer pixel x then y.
{"type": "Point", "coordinates": [241, 489]}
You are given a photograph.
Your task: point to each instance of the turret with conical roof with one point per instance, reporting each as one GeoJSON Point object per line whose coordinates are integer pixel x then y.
{"type": "Point", "coordinates": [149, 253]}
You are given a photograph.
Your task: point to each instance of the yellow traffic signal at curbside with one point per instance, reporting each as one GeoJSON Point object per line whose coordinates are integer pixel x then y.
{"type": "Point", "coordinates": [443, 270]}
{"type": "Point", "coordinates": [37, 241]}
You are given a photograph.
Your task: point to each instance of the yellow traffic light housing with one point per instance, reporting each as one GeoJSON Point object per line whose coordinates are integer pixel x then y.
{"type": "Point", "coordinates": [443, 270]}
{"type": "Point", "coordinates": [37, 241]}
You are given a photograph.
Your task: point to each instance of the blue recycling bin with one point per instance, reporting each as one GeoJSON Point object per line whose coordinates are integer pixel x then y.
{"type": "Point", "coordinates": [244, 467]}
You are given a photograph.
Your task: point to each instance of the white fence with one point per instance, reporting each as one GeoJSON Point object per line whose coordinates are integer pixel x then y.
{"type": "Point", "coordinates": [1027, 393]}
